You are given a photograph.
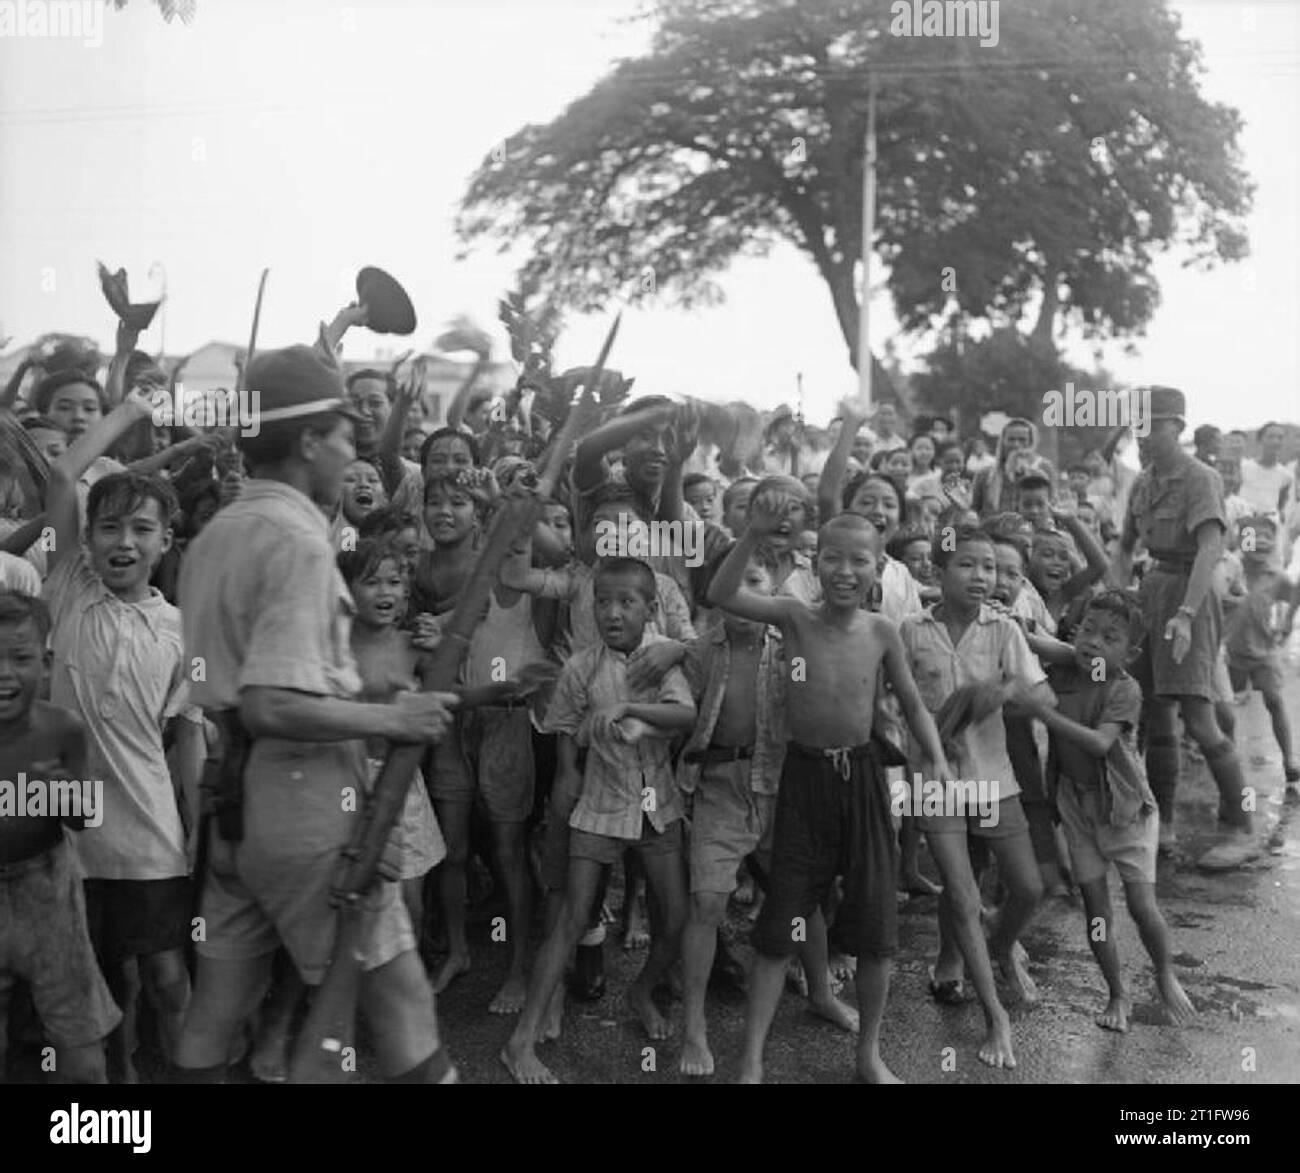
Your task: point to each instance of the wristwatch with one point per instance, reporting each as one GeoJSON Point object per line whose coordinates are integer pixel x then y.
{"type": "Point", "coordinates": [1187, 611]}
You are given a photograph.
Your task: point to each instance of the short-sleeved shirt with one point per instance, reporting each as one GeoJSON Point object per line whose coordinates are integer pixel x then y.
{"type": "Point", "coordinates": [992, 648]}
{"type": "Point", "coordinates": [263, 601]}
{"type": "Point", "coordinates": [121, 667]}
{"type": "Point", "coordinates": [18, 574]}
{"type": "Point", "coordinates": [1092, 703]}
{"type": "Point", "coordinates": [1165, 511]}
{"type": "Point", "coordinates": [617, 772]}
{"type": "Point", "coordinates": [708, 668]}
{"type": "Point", "coordinates": [1268, 489]}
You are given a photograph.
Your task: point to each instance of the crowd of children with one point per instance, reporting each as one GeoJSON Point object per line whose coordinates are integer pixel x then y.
{"type": "Point", "coordinates": [757, 708]}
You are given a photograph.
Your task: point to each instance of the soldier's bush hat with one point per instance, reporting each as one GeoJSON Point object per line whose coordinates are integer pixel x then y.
{"type": "Point", "coordinates": [1167, 403]}
{"type": "Point", "coordinates": [293, 382]}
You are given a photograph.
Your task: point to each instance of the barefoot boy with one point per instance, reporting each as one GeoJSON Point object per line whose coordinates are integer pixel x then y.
{"type": "Point", "coordinates": [1107, 808]}
{"type": "Point", "coordinates": [627, 795]}
{"type": "Point", "coordinates": [832, 815]}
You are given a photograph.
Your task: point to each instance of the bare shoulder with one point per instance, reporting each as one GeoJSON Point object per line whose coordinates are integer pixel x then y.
{"type": "Point", "coordinates": [56, 726]}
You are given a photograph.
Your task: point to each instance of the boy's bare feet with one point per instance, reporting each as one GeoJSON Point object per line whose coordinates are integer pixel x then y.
{"type": "Point", "coordinates": [642, 1005]}
{"type": "Point", "coordinates": [835, 1012]}
{"type": "Point", "coordinates": [1177, 1004]}
{"type": "Point", "coordinates": [996, 1049]}
{"type": "Point", "coordinates": [1016, 975]}
{"type": "Point", "coordinates": [875, 1071]}
{"type": "Point", "coordinates": [750, 1071]}
{"type": "Point", "coordinates": [635, 933]}
{"type": "Point", "coordinates": [455, 965]}
{"type": "Point", "coordinates": [269, 1061]}
{"type": "Point", "coordinates": [843, 968]}
{"type": "Point", "coordinates": [553, 1019]}
{"type": "Point", "coordinates": [510, 997]}
{"type": "Point", "coordinates": [1115, 1016]}
{"type": "Point", "coordinates": [697, 1059]}
{"type": "Point", "coordinates": [524, 1065]}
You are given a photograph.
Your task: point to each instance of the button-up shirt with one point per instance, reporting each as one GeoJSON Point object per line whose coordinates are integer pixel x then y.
{"type": "Point", "coordinates": [992, 648]}
{"type": "Point", "coordinates": [618, 772]}
{"type": "Point", "coordinates": [708, 668]}
{"type": "Point", "coordinates": [120, 666]}
{"type": "Point", "coordinates": [1164, 511]}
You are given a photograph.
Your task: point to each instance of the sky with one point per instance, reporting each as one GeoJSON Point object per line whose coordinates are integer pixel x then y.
{"type": "Point", "coordinates": [314, 138]}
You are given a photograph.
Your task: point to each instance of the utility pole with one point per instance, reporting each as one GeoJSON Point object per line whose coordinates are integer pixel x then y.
{"type": "Point", "coordinates": [868, 234]}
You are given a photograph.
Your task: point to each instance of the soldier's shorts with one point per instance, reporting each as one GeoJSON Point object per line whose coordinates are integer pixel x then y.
{"type": "Point", "coordinates": [44, 942]}
{"type": "Point", "coordinates": [1161, 594]}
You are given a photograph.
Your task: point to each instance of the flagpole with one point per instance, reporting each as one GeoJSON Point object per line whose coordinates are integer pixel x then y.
{"type": "Point", "coordinates": [868, 234]}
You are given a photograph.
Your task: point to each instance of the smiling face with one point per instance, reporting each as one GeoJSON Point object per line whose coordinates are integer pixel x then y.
{"type": "Point", "coordinates": [922, 453]}
{"type": "Point", "coordinates": [1016, 438]}
{"type": "Point", "coordinates": [448, 513]}
{"type": "Point", "coordinates": [125, 549]}
{"type": "Point", "coordinates": [76, 407]}
{"type": "Point", "coordinates": [363, 491]}
{"type": "Point", "coordinates": [846, 568]}
{"type": "Point", "coordinates": [952, 463]}
{"type": "Point", "coordinates": [969, 575]}
{"type": "Point", "coordinates": [916, 557]}
{"type": "Point", "coordinates": [622, 609]}
{"type": "Point", "coordinates": [369, 398]}
{"type": "Point", "coordinates": [22, 666]}
{"type": "Point", "coordinates": [381, 595]}
{"type": "Point", "coordinates": [877, 501]}
{"type": "Point", "coordinates": [898, 464]}
{"type": "Point", "coordinates": [1036, 507]}
{"type": "Point", "coordinates": [1049, 562]}
{"type": "Point", "coordinates": [645, 457]}
{"type": "Point", "coordinates": [448, 454]}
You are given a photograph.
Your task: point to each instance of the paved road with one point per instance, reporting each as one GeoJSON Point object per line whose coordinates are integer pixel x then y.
{"type": "Point", "coordinates": [1236, 938]}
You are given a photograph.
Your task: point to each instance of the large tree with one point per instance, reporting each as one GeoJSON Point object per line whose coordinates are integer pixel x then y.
{"type": "Point", "coordinates": [1032, 181]}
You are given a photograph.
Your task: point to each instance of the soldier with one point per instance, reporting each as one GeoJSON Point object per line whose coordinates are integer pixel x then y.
{"type": "Point", "coordinates": [1176, 511]}
{"type": "Point", "coordinates": [266, 618]}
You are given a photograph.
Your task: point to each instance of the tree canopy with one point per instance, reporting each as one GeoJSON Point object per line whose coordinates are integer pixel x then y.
{"type": "Point", "coordinates": [1040, 176]}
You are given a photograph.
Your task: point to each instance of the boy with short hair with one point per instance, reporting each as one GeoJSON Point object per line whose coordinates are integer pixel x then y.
{"type": "Point", "coordinates": [119, 663]}
{"type": "Point", "coordinates": [1106, 805]}
{"type": "Point", "coordinates": [43, 937]}
{"type": "Point", "coordinates": [833, 808]}
{"type": "Point", "coordinates": [969, 660]}
{"type": "Point", "coordinates": [626, 795]}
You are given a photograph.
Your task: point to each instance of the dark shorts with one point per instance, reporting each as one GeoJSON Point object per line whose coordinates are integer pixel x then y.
{"type": "Point", "coordinates": [128, 918]}
{"type": "Point", "coordinates": [829, 825]}
{"type": "Point", "coordinates": [43, 941]}
{"type": "Point", "coordinates": [1161, 595]}
{"type": "Point", "coordinates": [1264, 675]}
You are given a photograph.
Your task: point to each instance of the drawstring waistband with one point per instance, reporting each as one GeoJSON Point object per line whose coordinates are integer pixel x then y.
{"type": "Point", "coordinates": [841, 756]}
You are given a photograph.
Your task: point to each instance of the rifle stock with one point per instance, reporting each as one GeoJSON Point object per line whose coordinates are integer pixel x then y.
{"type": "Point", "coordinates": [330, 1023]}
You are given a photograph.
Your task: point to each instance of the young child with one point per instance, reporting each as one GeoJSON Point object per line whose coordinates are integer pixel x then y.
{"type": "Point", "coordinates": [1051, 569]}
{"type": "Point", "coordinates": [1107, 808]}
{"type": "Point", "coordinates": [963, 653]}
{"type": "Point", "coordinates": [43, 937]}
{"type": "Point", "coordinates": [833, 808]}
{"type": "Point", "coordinates": [1252, 639]}
{"type": "Point", "coordinates": [120, 665]}
{"type": "Point", "coordinates": [363, 493]}
{"type": "Point", "coordinates": [911, 546]}
{"type": "Point", "coordinates": [626, 794]}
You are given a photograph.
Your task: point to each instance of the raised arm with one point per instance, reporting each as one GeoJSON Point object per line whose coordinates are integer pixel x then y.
{"type": "Point", "coordinates": [389, 451]}
{"type": "Point", "coordinates": [1097, 563]}
{"type": "Point", "coordinates": [61, 497]}
{"type": "Point", "coordinates": [728, 590]}
{"type": "Point", "coordinates": [587, 471]}
{"type": "Point", "coordinates": [460, 401]}
{"type": "Point", "coordinates": [25, 535]}
{"type": "Point", "coordinates": [831, 484]}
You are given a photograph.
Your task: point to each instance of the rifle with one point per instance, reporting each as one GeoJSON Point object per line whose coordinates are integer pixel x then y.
{"type": "Point", "coordinates": [328, 1030]}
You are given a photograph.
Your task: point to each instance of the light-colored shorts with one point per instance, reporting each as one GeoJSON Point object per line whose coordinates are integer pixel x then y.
{"type": "Point", "coordinates": [728, 822]}
{"type": "Point", "coordinates": [1006, 820]}
{"type": "Point", "coordinates": [1094, 843]}
{"type": "Point", "coordinates": [423, 847]}
{"type": "Point", "coordinates": [44, 942]}
{"type": "Point", "coordinates": [274, 886]}
{"type": "Point", "coordinates": [1264, 675]}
